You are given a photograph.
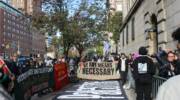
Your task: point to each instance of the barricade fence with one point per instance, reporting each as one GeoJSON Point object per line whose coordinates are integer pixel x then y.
{"type": "Point", "coordinates": [157, 82]}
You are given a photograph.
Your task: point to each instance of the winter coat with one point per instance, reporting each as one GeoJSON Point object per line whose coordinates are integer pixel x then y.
{"type": "Point", "coordinates": [143, 69]}
{"type": "Point", "coordinates": [166, 72]}
{"type": "Point", "coordinates": [120, 67]}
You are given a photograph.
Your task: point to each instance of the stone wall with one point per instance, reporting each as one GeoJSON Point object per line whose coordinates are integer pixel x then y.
{"type": "Point", "coordinates": [168, 19]}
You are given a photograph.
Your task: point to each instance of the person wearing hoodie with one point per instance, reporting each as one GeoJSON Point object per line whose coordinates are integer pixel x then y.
{"type": "Point", "coordinates": [143, 71]}
{"type": "Point", "coordinates": [123, 68]}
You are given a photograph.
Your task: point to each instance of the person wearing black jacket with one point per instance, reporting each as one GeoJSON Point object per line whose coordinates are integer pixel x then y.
{"type": "Point", "coordinates": [123, 68]}
{"type": "Point", "coordinates": [143, 71]}
{"type": "Point", "coordinates": [12, 65]}
{"type": "Point", "coordinates": [171, 68]}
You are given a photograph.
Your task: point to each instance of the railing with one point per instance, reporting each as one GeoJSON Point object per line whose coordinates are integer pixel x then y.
{"type": "Point", "coordinates": [157, 82]}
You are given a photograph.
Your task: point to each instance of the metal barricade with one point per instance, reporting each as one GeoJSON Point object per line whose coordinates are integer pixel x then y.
{"type": "Point", "coordinates": [157, 82]}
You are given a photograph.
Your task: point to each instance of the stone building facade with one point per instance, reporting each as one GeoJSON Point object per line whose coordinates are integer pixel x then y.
{"type": "Point", "coordinates": [115, 5]}
{"type": "Point", "coordinates": [149, 23]}
{"type": "Point", "coordinates": [30, 7]}
{"type": "Point", "coordinates": [126, 6]}
{"type": "Point", "coordinates": [15, 36]}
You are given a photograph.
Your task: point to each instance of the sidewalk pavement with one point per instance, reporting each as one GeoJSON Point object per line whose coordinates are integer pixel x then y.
{"type": "Point", "coordinates": [131, 94]}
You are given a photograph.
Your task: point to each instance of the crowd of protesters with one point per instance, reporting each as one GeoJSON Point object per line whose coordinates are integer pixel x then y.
{"type": "Point", "coordinates": [170, 89]}
{"type": "Point", "coordinates": [142, 67]}
{"type": "Point", "coordinates": [11, 68]}
{"type": "Point", "coordinates": [166, 64]}
{"type": "Point", "coordinates": [137, 69]}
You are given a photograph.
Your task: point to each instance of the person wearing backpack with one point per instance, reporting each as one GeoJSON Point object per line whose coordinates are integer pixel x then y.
{"type": "Point", "coordinates": [143, 71]}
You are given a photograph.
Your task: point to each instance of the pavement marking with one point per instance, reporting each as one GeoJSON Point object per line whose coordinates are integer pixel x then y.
{"type": "Point", "coordinates": [95, 90]}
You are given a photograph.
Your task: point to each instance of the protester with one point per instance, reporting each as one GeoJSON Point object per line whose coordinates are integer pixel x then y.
{"type": "Point", "coordinates": [99, 60]}
{"type": "Point", "coordinates": [7, 78]}
{"type": "Point", "coordinates": [116, 59]}
{"type": "Point", "coordinates": [143, 71]}
{"type": "Point", "coordinates": [130, 80]}
{"type": "Point", "coordinates": [133, 57]}
{"type": "Point", "coordinates": [26, 66]}
{"type": "Point", "coordinates": [170, 90]}
{"type": "Point", "coordinates": [12, 65]}
{"type": "Point", "coordinates": [71, 65]}
{"type": "Point", "coordinates": [171, 68]}
{"type": "Point", "coordinates": [31, 63]}
{"type": "Point", "coordinates": [63, 59]}
{"type": "Point", "coordinates": [49, 62]}
{"type": "Point", "coordinates": [123, 68]}
{"type": "Point", "coordinates": [40, 62]}
{"type": "Point", "coordinates": [161, 57]}
{"type": "Point", "coordinates": [108, 58]}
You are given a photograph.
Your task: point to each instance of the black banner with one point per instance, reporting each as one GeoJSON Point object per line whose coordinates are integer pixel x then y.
{"type": "Point", "coordinates": [33, 81]}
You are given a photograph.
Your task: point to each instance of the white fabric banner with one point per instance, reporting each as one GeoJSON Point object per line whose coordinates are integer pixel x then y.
{"type": "Point", "coordinates": [98, 71]}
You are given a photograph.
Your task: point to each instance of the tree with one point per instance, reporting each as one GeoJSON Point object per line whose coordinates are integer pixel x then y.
{"type": "Point", "coordinates": [54, 18]}
{"type": "Point", "coordinates": [114, 25]}
{"type": "Point", "coordinates": [88, 25]}
{"type": "Point", "coordinates": [81, 30]}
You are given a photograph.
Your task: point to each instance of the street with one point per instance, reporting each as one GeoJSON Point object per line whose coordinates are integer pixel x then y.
{"type": "Point", "coordinates": [89, 49]}
{"type": "Point", "coordinates": [90, 90]}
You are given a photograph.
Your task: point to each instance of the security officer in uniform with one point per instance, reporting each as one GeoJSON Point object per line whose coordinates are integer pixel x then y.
{"type": "Point", "coordinates": [143, 71]}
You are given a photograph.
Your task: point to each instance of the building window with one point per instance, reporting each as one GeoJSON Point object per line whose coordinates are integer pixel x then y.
{"type": "Point", "coordinates": [133, 31]}
{"type": "Point", "coordinates": [127, 35]}
{"type": "Point", "coordinates": [9, 34]}
{"type": "Point", "coordinates": [123, 38]}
